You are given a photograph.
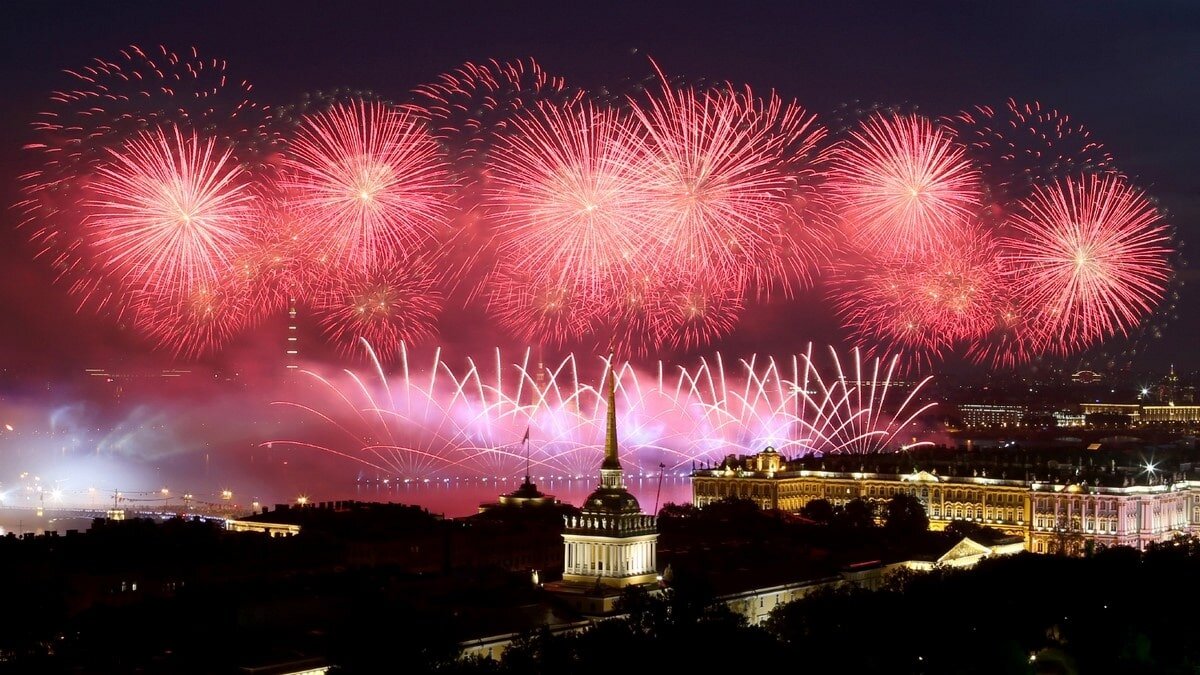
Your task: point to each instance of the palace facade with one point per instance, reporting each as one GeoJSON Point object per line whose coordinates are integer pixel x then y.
{"type": "Point", "coordinates": [1052, 506]}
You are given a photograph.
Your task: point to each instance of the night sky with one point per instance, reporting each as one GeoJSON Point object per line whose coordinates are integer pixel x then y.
{"type": "Point", "coordinates": [1127, 70]}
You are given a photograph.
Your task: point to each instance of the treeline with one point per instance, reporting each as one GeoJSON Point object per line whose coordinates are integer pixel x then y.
{"type": "Point", "coordinates": [1118, 610]}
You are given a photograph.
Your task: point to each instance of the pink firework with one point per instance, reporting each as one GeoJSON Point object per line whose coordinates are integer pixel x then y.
{"type": "Point", "coordinates": [636, 314]}
{"type": "Point", "coordinates": [1090, 259]}
{"type": "Point", "coordinates": [1013, 338]}
{"type": "Point", "coordinates": [1021, 145]}
{"type": "Point", "coordinates": [280, 265]}
{"type": "Point", "coordinates": [697, 312]}
{"type": "Point", "coordinates": [169, 213]}
{"type": "Point", "coordinates": [104, 105]}
{"type": "Point", "coordinates": [387, 305]}
{"type": "Point", "coordinates": [713, 165]}
{"type": "Point", "coordinates": [196, 322]}
{"type": "Point", "coordinates": [568, 198]}
{"type": "Point", "coordinates": [369, 183]}
{"type": "Point", "coordinates": [924, 305]}
{"type": "Point", "coordinates": [901, 184]}
{"type": "Point", "coordinates": [537, 311]}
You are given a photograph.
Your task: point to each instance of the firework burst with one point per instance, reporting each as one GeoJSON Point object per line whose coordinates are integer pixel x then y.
{"type": "Point", "coordinates": [387, 306]}
{"type": "Point", "coordinates": [901, 184]}
{"type": "Point", "coordinates": [568, 197]}
{"type": "Point", "coordinates": [369, 183]}
{"type": "Point", "coordinates": [196, 322]}
{"type": "Point", "coordinates": [1091, 259]}
{"type": "Point", "coordinates": [170, 213]}
{"type": "Point", "coordinates": [712, 165]}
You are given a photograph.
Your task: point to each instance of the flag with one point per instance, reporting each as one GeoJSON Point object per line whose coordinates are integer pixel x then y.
{"type": "Point", "coordinates": [526, 439]}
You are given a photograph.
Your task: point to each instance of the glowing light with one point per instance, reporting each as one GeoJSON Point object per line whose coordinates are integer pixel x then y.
{"type": "Point", "coordinates": [368, 181]}
{"type": "Point", "coordinates": [900, 184]}
{"type": "Point", "coordinates": [1090, 262]}
{"type": "Point", "coordinates": [445, 422]}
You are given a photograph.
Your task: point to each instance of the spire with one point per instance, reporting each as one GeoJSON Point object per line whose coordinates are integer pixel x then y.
{"type": "Point", "coordinates": [611, 459]}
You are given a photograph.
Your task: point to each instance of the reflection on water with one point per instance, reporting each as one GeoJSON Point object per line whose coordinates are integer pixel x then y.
{"type": "Point", "coordinates": [462, 497]}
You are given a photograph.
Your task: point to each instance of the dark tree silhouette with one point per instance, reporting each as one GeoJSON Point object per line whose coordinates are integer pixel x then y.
{"type": "Point", "coordinates": [904, 514]}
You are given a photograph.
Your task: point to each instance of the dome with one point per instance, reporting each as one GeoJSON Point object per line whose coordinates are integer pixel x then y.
{"type": "Point", "coordinates": [611, 500]}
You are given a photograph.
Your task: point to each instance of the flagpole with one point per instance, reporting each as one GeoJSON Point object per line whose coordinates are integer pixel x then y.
{"type": "Point", "coordinates": [658, 494]}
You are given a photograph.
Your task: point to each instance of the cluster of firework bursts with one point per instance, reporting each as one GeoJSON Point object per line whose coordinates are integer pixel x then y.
{"type": "Point", "coordinates": [433, 420]}
{"type": "Point", "coordinates": [644, 222]}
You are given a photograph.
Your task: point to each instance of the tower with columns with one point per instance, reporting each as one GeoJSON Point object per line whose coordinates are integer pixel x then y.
{"type": "Point", "coordinates": [611, 544]}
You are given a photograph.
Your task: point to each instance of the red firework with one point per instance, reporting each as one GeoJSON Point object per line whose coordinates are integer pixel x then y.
{"type": "Point", "coordinates": [924, 305]}
{"type": "Point", "coordinates": [104, 105]}
{"type": "Point", "coordinates": [1022, 145]}
{"type": "Point", "coordinates": [568, 199]}
{"type": "Point", "coordinates": [1090, 259]}
{"type": "Point", "coordinates": [712, 163]}
{"type": "Point", "coordinates": [1012, 339]}
{"type": "Point", "coordinates": [280, 266]}
{"type": "Point", "coordinates": [196, 322]}
{"type": "Point", "coordinates": [696, 312]}
{"type": "Point", "coordinates": [901, 185]}
{"type": "Point", "coordinates": [369, 182]}
{"type": "Point", "coordinates": [634, 316]}
{"type": "Point", "coordinates": [540, 312]}
{"type": "Point", "coordinates": [169, 213]}
{"type": "Point", "coordinates": [387, 305]}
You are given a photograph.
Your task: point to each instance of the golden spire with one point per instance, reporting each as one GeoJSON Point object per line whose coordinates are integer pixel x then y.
{"type": "Point", "coordinates": [611, 460]}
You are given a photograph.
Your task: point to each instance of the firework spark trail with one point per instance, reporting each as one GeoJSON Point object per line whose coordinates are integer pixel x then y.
{"type": "Point", "coordinates": [900, 184]}
{"type": "Point", "coordinates": [642, 223]}
{"type": "Point", "coordinates": [1024, 145]}
{"type": "Point", "coordinates": [569, 198]}
{"type": "Point", "coordinates": [170, 212]}
{"type": "Point", "coordinates": [1091, 260]}
{"type": "Point", "coordinates": [386, 305]}
{"type": "Point", "coordinates": [467, 422]}
{"type": "Point", "coordinates": [713, 168]}
{"type": "Point", "coordinates": [369, 181]}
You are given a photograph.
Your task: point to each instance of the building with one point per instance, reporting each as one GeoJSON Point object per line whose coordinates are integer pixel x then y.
{"type": "Point", "coordinates": [757, 603]}
{"type": "Point", "coordinates": [611, 544]}
{"type": "Point", "coordinates": [1051, 506]}
{"type": "Point", "coordinates": [272, 529]}
{"type": "Point", "coordinates": [987, 415]}
{"type": "Point", "coordinates": [1170, 414]}
{"type": "Point", "coordinates": [526, 496]}
{"type": "Point", "coordinates": [1131, 411]}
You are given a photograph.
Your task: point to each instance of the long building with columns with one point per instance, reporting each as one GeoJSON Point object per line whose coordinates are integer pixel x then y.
{"type": "Point", "coordinates": [1052, 505]}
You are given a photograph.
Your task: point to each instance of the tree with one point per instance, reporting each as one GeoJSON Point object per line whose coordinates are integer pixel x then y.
{"type": "Point", "coordinates": [856, 513]}
{"type": "Point", "coordinates": [974, 531]}
{"type": "Point", "coordinates": [818, 511]}
{"type": "Point", "coordinates": [905, 514]}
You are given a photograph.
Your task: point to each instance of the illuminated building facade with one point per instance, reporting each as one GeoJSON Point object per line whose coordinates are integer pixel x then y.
{"type": "Point", "coordinates": [1131, 410]}
{"type": "Point", "coordinates": [1051, 508]}
{"type": "Point", "coordinates": [1170, 414]}
{"type": "Point", "coordinates": [984, 416]}
{"type": "Point", "coordinates": [611, 544]}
